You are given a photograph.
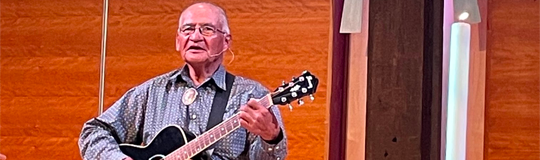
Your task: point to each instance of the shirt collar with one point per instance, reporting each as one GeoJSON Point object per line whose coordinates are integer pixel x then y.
{"type": "Point", "coordinates": [218, 77]}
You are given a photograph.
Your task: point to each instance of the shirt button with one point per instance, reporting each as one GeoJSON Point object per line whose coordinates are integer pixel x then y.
{"type": "Point", "coordinates": [269, 149]}
{"type": "Point", "coordinates": [193, 116]}
{"type": "Point", "coordinates": [277, 147]}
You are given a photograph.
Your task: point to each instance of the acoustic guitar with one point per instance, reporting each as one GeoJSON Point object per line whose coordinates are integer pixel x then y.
{"type": "Point", "coordinates": [174, 142]}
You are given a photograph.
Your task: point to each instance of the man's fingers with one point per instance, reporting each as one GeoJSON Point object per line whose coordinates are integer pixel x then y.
{"type": "Point", "coordinates": [254, 104]}
{"type": "Point", "coordinates": [246, 117]}
{"type": "Point", "coordinates": [247, 109]}
{"type": "Point", "coordinates": [245, 124]}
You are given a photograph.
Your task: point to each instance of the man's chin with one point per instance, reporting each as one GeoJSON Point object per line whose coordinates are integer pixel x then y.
{"type": "Point", "coordinates": [201, 62]}
{"type": "Point", "coordinates": [196, 61]}
{"type": "Point", "coordinates": [196, 56]}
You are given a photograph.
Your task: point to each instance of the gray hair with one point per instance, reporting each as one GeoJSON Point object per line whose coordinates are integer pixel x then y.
{"type": "Point", "coordinates": [222, 18]}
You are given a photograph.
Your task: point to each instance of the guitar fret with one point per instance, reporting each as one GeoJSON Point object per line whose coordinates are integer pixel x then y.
{"type": "Point", "coordinates": [213, 136]}
{"type": "Point", "coordinates": [192, 148]}
{"type": "Point", "coordinates": [227, 126]}
{"type": "Point", "coordinates": [189, 148]}
{"type": "Point", "coordinates": [205, 140]}
{"type": "Point", "coordinates": [198, 144]}
{"type": "Point", "coordinates": [265, 101]}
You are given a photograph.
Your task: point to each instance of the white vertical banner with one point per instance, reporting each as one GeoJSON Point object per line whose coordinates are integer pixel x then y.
{"type": "Point", "coordinates": [458, 88]}
{"type": "Point", "coordinates": [457, 43]}
{"type": "Point", "coordinates": [351, 19]}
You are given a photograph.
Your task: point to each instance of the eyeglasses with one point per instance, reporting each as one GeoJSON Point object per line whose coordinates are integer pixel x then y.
{"type": "Point", "coordinates": [204, 30]}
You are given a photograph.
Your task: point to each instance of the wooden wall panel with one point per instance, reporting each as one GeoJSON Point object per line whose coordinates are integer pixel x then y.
{"type": "Point", "coordinates": [404, 80]}
{"type": "Point", "coordinates": [476, 102]}
{"type": "Point", "coordinates": [49, 76]}
{"type": "Point", "coordinates": [272, 41]}
{"type": "Point", "coordinates": [357, 79]}
{"type": "Point", "coordinates": [512, 125]}
{"type": "Point", "coordinates": [394, 99]}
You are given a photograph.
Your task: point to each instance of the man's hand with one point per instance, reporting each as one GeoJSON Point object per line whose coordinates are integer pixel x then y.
{"type": "Point", "coordinates": [258, 120]}
{"type": "Point", "coordinates": [128, 158]}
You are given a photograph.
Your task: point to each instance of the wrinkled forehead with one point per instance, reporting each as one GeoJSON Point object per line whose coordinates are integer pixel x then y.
{"type": "Point", "coordinates": [200, 14]}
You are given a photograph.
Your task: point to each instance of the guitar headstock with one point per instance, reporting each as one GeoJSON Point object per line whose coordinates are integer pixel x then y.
{"type": "Point", "coordinates": [301, 86]}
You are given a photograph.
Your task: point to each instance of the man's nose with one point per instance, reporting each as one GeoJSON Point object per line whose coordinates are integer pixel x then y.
{"type": "Point", "coordinates": [196, 36]}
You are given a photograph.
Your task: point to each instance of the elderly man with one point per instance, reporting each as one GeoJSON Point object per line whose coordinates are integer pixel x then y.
{"type": "Point", "coordinates": [185, 97]}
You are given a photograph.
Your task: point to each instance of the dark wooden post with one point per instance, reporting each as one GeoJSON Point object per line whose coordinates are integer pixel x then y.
{"type": "Point", "coordinates": [404, 79]}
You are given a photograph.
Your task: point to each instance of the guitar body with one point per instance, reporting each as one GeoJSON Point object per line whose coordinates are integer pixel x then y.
{"type": "Point", "coordinates": [166, 141]}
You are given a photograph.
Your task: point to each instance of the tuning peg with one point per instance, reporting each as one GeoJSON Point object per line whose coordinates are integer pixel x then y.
{"type": "Point", "coordinates": [283, 83]}
{"type": "Point", "coordinates": [311, 97]}
{"type": "Point", "coordinates": [290, 107]}
{"type": "Point", "coordinates": [300, 102]}
{"type": "Point", "coordinates": [293, 78]}
{"type": "Point", "coordinates": [283, 99]}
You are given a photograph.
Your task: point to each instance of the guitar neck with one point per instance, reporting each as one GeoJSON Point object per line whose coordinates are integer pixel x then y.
{"type": "Point", "coordinates": [213, 135]}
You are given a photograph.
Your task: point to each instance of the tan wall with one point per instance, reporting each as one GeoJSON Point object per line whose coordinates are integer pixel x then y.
{"type": "Point", "coordinates": [50, 64]}
{"type": "Point", "coordinates": [49, 76]}
{"type": "Point", "coordinates": [512, 126]}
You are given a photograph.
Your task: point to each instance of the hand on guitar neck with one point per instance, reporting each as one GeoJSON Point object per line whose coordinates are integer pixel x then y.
{"type": "Point", "coordinates": [258, 120]}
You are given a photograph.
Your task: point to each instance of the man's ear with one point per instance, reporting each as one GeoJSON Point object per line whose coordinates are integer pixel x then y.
{"type": "Point", "coordinates": [177, 43]}
{"type": "Point", "coordinates": [228, 40]}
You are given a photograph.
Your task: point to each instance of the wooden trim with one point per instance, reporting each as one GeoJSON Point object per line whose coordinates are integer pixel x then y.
{"type": "Point", "coordinates": [338, 96]}
{"type": "Point", "coordinates": [476, 102]}
{"type": "Point", "coordinates": [432, 80]}
{"type": "Point", "coordinates": [477, 87]}
{"type": "Point", "coordinates": [356, 102]}
{"type": "Point", "coordinates": [329, 82]}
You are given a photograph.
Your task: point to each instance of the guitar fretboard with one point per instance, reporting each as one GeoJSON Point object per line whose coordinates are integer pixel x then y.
{"type": "Point", "coordinates": [211, 136]}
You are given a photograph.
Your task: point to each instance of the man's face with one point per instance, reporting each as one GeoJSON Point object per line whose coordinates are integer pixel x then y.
{"type": "Point", "coordinates": [194, 46]}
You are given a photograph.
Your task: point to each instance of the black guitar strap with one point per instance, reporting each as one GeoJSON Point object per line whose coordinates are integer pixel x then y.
{"type": "Point", "coordinates": [220, 102]}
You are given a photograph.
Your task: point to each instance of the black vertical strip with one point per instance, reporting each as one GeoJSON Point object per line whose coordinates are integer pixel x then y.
{"type": "Point", "coordinates": [432, 80]}
{"type": "Point", "coordinates": [338, 97]}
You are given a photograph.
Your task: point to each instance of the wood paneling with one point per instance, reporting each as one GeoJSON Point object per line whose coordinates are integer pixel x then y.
{"type": "Point", "coordinates": [356, 101]}
{"type": "Point", "coordinates": [49, 76]}
{"type": "Point", "coordinates": [50, 64]}
{"type": "Point", "coordinates": [404, 79]}
{"type": "Point", "coordinates": [512, 125]}
{"type": "Point", "coordinates": [339, 86]}
{"type": "Point", "coordinates": [272, 41]}
{"type": "Point", "coordinates": [476, 109]}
